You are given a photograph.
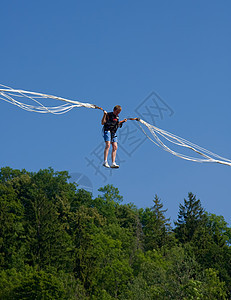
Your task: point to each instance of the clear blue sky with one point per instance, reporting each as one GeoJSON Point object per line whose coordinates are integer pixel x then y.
{"type": "Point", "coordinates": [119, 52]}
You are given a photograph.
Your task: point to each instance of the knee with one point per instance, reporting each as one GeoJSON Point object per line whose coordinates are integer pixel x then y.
{"type": "Point", "coordinates": [107, 145]}
{"type": "Point", "coordinates": [114, 146]}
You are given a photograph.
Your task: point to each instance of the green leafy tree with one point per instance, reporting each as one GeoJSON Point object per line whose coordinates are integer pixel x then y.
{"type": "Point", "coordinates": [129, 229]}
{"type": "Point", "coordinates": [7, 174]}
{"type": "Point", "coordinates": [110, 269]}
{"type": "Point", "coordinates": [46, 205]}
{"type": "Point", "coordinates": [219, 229]}
{"type": "Point", "coordinates": [212, 287]}
{"type": "Point", "coordinates": [100, 263]}
{"type": "Point", "coordinates": [208, 236]}
{"type": "Point", "coordinates": [84, 224]}
{"type": "Point", "coordinates": [210, 252]}
{"type": "Point", "coordinates": [80, 198]}
{"type": "Point", "coordinates": [207, 286]}
{"type": "Point", "coordinates": [107, 203]}
{"type": "Point", "coordinates": [39, 285]}
{"type": "Point", "coordinates": [11, 224]}
{"type": "Point", "coordinates": [30, 284]}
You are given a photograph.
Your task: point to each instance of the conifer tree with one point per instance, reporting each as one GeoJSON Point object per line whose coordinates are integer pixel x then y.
{"type": "Point", "coordinates": [156, 226]}
{"type": "Point", "coordinates": [191, 216]}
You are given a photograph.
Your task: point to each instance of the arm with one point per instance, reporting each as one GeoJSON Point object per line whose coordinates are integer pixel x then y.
{"type": "Point", "coordinates": [123, 121]}
{"type": "Point", "coordinates": [104, 119]}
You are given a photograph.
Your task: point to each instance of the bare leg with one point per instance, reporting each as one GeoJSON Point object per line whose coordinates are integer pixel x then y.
{"type": "Point", "coordinates": [106, 150]}
{"type": "Point", "coordinates": [114, 149]}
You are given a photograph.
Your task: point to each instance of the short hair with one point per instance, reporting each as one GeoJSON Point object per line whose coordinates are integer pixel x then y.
{"type": "Point", "coordinates": [117, 107]}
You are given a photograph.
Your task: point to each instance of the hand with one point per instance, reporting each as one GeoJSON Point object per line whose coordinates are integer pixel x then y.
{"type": "Point", "coordinates": [105, 112]}
{"type": "Point", "coordinates": [125, 120]}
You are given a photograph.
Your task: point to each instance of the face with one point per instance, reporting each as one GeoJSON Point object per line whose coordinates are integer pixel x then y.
{"type": "Point", "coordinates": [116, 111]}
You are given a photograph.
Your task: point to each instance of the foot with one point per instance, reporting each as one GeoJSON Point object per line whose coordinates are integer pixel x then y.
{"type": "Point", "coordinates": [106, 165]}
{"type": "Point", "coordinates": [114, 165]}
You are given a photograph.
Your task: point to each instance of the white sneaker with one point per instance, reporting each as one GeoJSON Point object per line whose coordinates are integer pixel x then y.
{"type": "Point", "coordinates": [106, 165]}
{"type": "Point", "coordinates": [114, 165]}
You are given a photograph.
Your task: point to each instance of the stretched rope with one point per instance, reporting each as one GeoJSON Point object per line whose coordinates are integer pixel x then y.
{"type": "Point", "coordinates": [158, 133]}
{"type": "Point", "coordinates": [21, 97]}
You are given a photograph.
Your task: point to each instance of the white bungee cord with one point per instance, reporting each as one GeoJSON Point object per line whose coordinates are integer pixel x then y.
{"type": "Point", "coordinates": [207, 155]}
{"type": "Point", "coordinates": [20, 98]}
{"type": "Point", "coordinates": [13, 96]}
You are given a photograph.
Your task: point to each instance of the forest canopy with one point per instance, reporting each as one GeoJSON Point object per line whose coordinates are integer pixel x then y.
{"type": "Point", "coordinates": [58, 242]}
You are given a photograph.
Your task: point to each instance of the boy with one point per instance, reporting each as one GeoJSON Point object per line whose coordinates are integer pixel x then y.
{"type": "Point", "coordinates": [111, 124]}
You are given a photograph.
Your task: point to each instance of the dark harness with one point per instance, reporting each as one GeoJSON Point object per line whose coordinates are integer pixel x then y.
{"type": "Point", "coordinates": [112, 123]}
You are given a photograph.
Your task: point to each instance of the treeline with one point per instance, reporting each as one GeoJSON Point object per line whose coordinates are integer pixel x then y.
{"type": "Point", "coordinates": [57, 242]}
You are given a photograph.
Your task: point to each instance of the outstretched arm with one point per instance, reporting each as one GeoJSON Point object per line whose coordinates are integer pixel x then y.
{"type": "Point", "coordinates": [123, 121]}
{"type": "Point", "coordinates": [104, 119]}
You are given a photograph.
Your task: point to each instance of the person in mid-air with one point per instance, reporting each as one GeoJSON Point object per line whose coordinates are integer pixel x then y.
{"type": "Point", "coordinates": [111, 123]}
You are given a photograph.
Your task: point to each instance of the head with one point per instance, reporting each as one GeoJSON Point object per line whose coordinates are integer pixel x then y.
{"type": "Point", "coordinates": [117, 109]}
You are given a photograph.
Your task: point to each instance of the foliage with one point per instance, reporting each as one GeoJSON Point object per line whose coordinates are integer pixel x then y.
{"type": "Point", "coordinates": [58, 242]}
